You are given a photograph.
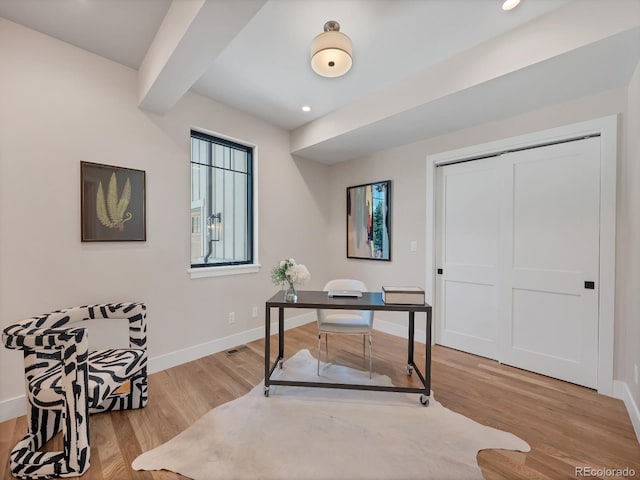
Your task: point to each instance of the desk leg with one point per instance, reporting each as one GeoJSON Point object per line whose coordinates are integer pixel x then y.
{"type": "Point", "coordinates": [280, 336]}
{"type": "Point", "coordinates": [410, 346]}
{"type": "Point", "coordinates": [412, 328]}
{"type": "Point", "coordinates": [427, 367]}
{"type": "Point", "coordinates": [267, 349]}
{"type": "Point", "coordinates": [424, 397]}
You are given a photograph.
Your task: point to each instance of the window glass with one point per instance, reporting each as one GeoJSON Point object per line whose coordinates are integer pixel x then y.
{"type": "Point", "coordinates": [221, 202]}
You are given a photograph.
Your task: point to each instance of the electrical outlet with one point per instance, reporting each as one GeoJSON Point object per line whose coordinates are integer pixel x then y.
{"type": "Point", "coordinates": [413, 246]}
{"type": "Point", "coordinates": [637, 374]}
{"type": "Point", "coordinates": [254, 312]}
{"type": "Point", "coordinates": [232, 317]}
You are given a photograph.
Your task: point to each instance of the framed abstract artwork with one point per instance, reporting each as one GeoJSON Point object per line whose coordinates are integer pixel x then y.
{"type": "Point", "coordinates": [369, 221]}
{"type": "Point", "coordinates": [112, 203]}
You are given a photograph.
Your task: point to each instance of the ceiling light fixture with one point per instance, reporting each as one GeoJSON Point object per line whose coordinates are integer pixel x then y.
{"type": "Point", "coordinates": [331, 51]}
{"type": "Point", "coordinates": [509, 4]}
{"type": "Point", "coordinates": [306, 108]}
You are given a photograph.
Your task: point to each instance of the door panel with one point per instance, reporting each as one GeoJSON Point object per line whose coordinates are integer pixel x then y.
{"type": "Point", "coordinates": [553, 207]}
{"type": "Point", "coordinates": [532, 325]}
{"type": "Point", "coordinates": [472, 220]}
{"type": "Point", "coordinates": [467, 301]}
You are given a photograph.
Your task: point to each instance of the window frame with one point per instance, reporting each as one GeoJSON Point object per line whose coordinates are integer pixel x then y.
{"type": "Point", "coordinates": [251, 265]}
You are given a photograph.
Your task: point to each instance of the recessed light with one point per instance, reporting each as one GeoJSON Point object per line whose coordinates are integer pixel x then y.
{"type": "Point", "coordinates": [509, 4]}
{"type": "Point", "coordinates": [306, 108]}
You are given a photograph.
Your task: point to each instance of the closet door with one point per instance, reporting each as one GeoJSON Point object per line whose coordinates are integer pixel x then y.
{"type": "Point", "coordinates": [468, 242]}
{"type": "Point", "coordinates": [518, 244]}
{"type": "Point", "coordinates": [549, 315]}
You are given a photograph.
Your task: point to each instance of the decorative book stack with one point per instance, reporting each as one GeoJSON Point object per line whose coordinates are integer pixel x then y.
{"type": "Point", "coordinates": [403, 295]}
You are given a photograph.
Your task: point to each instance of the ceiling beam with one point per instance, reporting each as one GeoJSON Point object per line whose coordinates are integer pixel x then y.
{"type": "Point", "coordinates": [191, 36]}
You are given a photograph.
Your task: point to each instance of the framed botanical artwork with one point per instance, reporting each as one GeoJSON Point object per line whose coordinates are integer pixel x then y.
{"type": "Point", "coordinates": [369, 221]}
{"type": "Point", "coordinates": [112, 203]}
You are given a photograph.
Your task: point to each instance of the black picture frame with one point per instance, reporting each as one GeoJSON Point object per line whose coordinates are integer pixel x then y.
{"type": "Point", "coordinates": [369, 221]}
{"type": "Point", "coordinates": [112, 203]}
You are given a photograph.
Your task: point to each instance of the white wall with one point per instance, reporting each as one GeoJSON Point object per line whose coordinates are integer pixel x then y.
{"type": "Point", "coordinates": [628, 254]}
{"type": "Point", "coordinates": [60, 105]}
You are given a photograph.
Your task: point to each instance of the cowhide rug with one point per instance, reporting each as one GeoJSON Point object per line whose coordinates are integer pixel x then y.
{"type": "Point", "coordinates": [302, 433]}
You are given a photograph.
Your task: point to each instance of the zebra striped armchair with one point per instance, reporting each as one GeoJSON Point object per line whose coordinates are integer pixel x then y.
{"type": "Point", "coordinates": [65, 382]}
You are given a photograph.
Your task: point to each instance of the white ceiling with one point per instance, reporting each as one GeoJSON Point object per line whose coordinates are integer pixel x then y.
{"type": "Point", "coordinates": [265, 69]}
{"type": "Point", "coordinates": [254, 55]}
{"type": "Point", "coordinates": [120, 30]}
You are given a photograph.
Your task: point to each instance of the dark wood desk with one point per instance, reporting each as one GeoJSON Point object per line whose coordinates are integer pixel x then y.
{"type": "Point", "coordinates": [369, 301]}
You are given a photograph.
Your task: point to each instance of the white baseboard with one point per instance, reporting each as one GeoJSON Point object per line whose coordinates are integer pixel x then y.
{"type": "Point", "coordinates": [399, 330]}
{"type": "Point", "coordinates": [189, 354]}
{"type": "Point", "coordinates": [622, 392]}
{"type": "Point", "coordinates": [15, 407]}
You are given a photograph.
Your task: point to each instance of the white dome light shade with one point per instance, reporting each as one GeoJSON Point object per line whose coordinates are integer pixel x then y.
{"type": "Point", "coordinates": [331, 52]}
{"type": "Point", "coordinates": [509, 4]}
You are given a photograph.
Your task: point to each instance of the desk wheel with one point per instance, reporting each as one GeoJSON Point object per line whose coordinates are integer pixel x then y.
{"type": "Point", "coordinates": [424, 400]}
{"type": "Point", "coordinates": [266, 391]}
{"type": "Point", "coordinates": [409, 369]}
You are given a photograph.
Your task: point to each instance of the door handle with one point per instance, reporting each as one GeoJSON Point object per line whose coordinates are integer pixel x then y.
{"type": "Point", "coordinates": [590, 285]}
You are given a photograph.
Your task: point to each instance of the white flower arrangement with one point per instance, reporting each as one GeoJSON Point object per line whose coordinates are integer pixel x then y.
{"type": "Point", "coordinates": [288, 271]}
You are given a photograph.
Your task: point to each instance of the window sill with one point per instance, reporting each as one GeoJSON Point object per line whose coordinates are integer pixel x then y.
{"type": "Point", "coordinates": [205, 272]}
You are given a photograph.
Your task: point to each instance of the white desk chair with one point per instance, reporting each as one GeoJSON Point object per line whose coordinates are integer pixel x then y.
{"type": "Point", "coordinates": [345, 322]}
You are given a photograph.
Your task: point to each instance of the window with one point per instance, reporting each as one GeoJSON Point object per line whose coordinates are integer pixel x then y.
{"type": "Point", "coordinates": [221, 202]}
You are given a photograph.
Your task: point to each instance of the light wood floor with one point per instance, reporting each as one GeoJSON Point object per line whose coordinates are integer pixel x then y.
{"type": "Point", "coordinates": [567, 426]}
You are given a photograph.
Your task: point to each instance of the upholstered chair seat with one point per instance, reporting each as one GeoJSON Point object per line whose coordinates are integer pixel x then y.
{"type": "Point", "coordinates": [108, 371]}
{"type": "Point", "coordinates": [351, 323]}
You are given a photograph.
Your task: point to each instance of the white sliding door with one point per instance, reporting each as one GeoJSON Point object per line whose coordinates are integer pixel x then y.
{"type": "Point", "coordinates": [468, 222]}
{"type": "Point", "coordinates": [518, 245]}
{"type": "Point", "coordinates": [553, 220]}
